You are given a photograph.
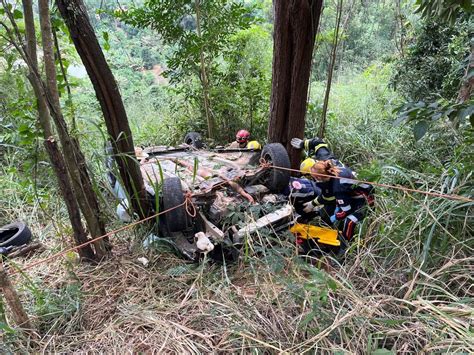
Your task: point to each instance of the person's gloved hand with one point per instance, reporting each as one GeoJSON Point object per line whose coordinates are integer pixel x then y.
{"type": "Point", "coordinates": [308, 207]}
{"type": "Point", "coordinates": [297, 143]}
{"type": "Point", "coordinates": [333, 218]}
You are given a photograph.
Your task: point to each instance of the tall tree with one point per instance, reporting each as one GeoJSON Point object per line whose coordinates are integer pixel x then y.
{"type": "Point", "coordinates": [107, 92]}
{"type": "Point", "coordinates": [296, 23]}
{"type": "Point", "coordinates": [332, 62]}
{"type": "Point", "coordinates": [201, 31]}
{"type": "Point", "coordinates": [56, 157]}
{"type": "Point", "coordinates": [74, 158]}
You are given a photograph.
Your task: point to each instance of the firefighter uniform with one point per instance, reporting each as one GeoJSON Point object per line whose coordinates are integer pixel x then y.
{"type": "Point", "coordinates": [351, 200]}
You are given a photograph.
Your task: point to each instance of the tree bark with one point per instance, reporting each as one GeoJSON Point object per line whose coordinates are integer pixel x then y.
{"type": "Point", "coordinates": [296, 22]}
{"type": "Point", "coordinates": [30, 34]}
{"type": "Point", "coordinates": [55, 156]}
{"type": "Point", "coordinates": [108, 94]}
{"type": "Point", "coordinates": [57, 161]}
{"type": "Point", "coordinates": [204, 78]}
{"type": "Point", "coordinates": [332, 61]}
{"type": "Point", "coordinates": [467, 83]}
{"type": "Point", "coordinates": [74, 159]}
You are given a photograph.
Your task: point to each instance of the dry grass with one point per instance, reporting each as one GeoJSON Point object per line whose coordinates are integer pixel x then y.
{"type": "Point", "coordinates": [173, 306]}
{"type": "Point", "coordinates": [382, 297]}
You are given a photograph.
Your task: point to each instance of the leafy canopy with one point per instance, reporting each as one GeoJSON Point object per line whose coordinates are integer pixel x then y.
{"type": "Point", "coordinates": [177, 23]}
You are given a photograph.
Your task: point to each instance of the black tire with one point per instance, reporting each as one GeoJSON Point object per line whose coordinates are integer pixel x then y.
{"type": "Point", "coordinates": [194, 139]}
{"type": "Point", "coordinates": [275, 154]}
{"type": "Point", "coordinates": [14, 234]}
{"type": "Point", "coordinates": [172, 196]}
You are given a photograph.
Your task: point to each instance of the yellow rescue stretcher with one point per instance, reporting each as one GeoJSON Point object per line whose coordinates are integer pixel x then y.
{"type": "Point", "coordinates": [321, 235]}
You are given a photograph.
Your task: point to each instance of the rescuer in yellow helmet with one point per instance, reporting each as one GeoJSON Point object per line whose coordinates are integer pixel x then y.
{"type": "Point", "coordinates": [254, 145]}
{"type": "Point", "coordinates": [305, 166]}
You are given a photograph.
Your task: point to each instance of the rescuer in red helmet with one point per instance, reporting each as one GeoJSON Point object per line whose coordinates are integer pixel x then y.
{"type": "Point", "coordinates": [241, 139]}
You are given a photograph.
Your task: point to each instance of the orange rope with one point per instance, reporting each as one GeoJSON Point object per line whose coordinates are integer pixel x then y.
{"type": "Point", "coordinates": [264, 164]}
{"type": "Point", "coordinates": [128, 226]}
{"type": "Point", "coordinates": [192, 211]}
{"type": "Point", "coordinates": [189, 206]}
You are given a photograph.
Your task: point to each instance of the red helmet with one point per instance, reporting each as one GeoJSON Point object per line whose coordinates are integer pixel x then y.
{"type": "Point", "coordinates": [242, 136]}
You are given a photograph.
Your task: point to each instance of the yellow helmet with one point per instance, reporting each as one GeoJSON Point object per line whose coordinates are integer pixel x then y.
{"type": "Point", "coordinates": [306, 165]}
{"type": "Point", "coordinates": [253, 145]}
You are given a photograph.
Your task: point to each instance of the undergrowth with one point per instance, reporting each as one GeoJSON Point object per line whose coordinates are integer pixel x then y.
{"type": "Point", "coordinates": [405, 285]}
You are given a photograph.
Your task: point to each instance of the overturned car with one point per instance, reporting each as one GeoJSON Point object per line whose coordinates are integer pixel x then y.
{"type": "Point", "coordinates": [216, 182]}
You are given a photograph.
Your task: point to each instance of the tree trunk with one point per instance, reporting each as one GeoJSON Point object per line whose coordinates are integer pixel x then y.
{"type": "Point", "coordinates": [296, 22]}
{"type": "Point", "coordinates": [332, 61]}
{"type": "Point", "coordinates": [55, 156]}
{"type": "Point", "coordinates": [57, 161]}
{"type": "Point", "coordinates": [204, 78]}
{"type": "Point", "coordinates": [74, 159]}
{"type": "Point", "coordinates": [30, 34]}
{"type": "Point", "coordinates": [108, 94]}
{"type": "Point", "coordinates": [467, 83]}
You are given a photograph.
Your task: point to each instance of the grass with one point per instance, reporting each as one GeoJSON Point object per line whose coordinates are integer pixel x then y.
{"type": "Point", "coordinates": [271, 301]}
{"type": "Point", "coordinates": [406, 285]}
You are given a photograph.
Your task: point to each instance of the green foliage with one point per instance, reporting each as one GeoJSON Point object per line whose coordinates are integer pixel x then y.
{"type": "Point", "coordinates": [202, 37]}
{"type": "Point", "coordinates": [434, 61]}
{"type": "Point", "coordinates": [242, 90]}
{"type": "Point", "coordinates": [431, 72]}
{"type": "Point", "coordinates": [425, 115]}
{"type": "Point", "coordinates": [444, 10]}
{"type": "Point", "coordinates": [176, 23]}
{"type": "Point", "coordinates": [368, 30]}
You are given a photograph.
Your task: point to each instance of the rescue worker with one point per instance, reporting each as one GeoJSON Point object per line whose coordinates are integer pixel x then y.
{"type": "Point", "coordinates": [254, 145]}
{"type": "Point", "coordinates": [324, 201]}
{"type": "Point", "coordinates": [241, 139]}
{"type": "Point", "coordinates": [350, 198]}
{"type": "Point", "coordinates": [316, 148]}
{"type": "Point", "coordinates": [299, 192]}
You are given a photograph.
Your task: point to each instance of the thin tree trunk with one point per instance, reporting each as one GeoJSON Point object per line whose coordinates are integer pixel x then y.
{"type": "Point", "coordinates": [57, 161]}
{"type": "Point", "coordinates": [204, 79]}
{"type": "Point", "coordinates": [55, 156]}
{"type": "Point", "coordinates": [399, 18]}
{"type": "Point", "coordinates": [322, 126]}
{"type": "Point", "coordinates": [75, 161]}
{"type": "Point", "coordinates": [30, 34]}
{"type": "Point", "coordinates": [296, 22]}
{"type": "Point", "coordinates": [108, 94]}
{"type": "Point", "coordinates": [467, 83]}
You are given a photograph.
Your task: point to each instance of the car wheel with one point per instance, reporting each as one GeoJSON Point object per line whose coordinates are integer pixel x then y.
{"type": "Point", "coordinates": [14, 234]}
{"type": "Point", "coordinates": [172, 196]}
{"type": "Point", "coordinates": [275, 154]}
{"type": "Point", "coordinates": [194, 139]}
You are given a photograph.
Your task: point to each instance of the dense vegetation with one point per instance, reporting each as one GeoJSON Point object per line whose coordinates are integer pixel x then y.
{"type": "Point", "coordinates": [394, 116]}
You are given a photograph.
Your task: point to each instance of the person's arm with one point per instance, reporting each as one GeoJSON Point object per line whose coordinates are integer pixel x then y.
{"type": "Point", "coordinates": [202, 172]}
{"type": "Point", "coordinates": [237, 188]}
{"type": "Point", "coordinates": [315, 147]}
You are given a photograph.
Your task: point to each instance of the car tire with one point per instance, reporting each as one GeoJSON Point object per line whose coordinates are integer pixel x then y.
{"type": "Point", "coordinates": [172, 196]}
{"type": "Point", "coordinates": [14, 234]}
{"type": "Point", "coordinates": [275, 154]}
{"type": "Point", "coordinates": [194, 139]}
